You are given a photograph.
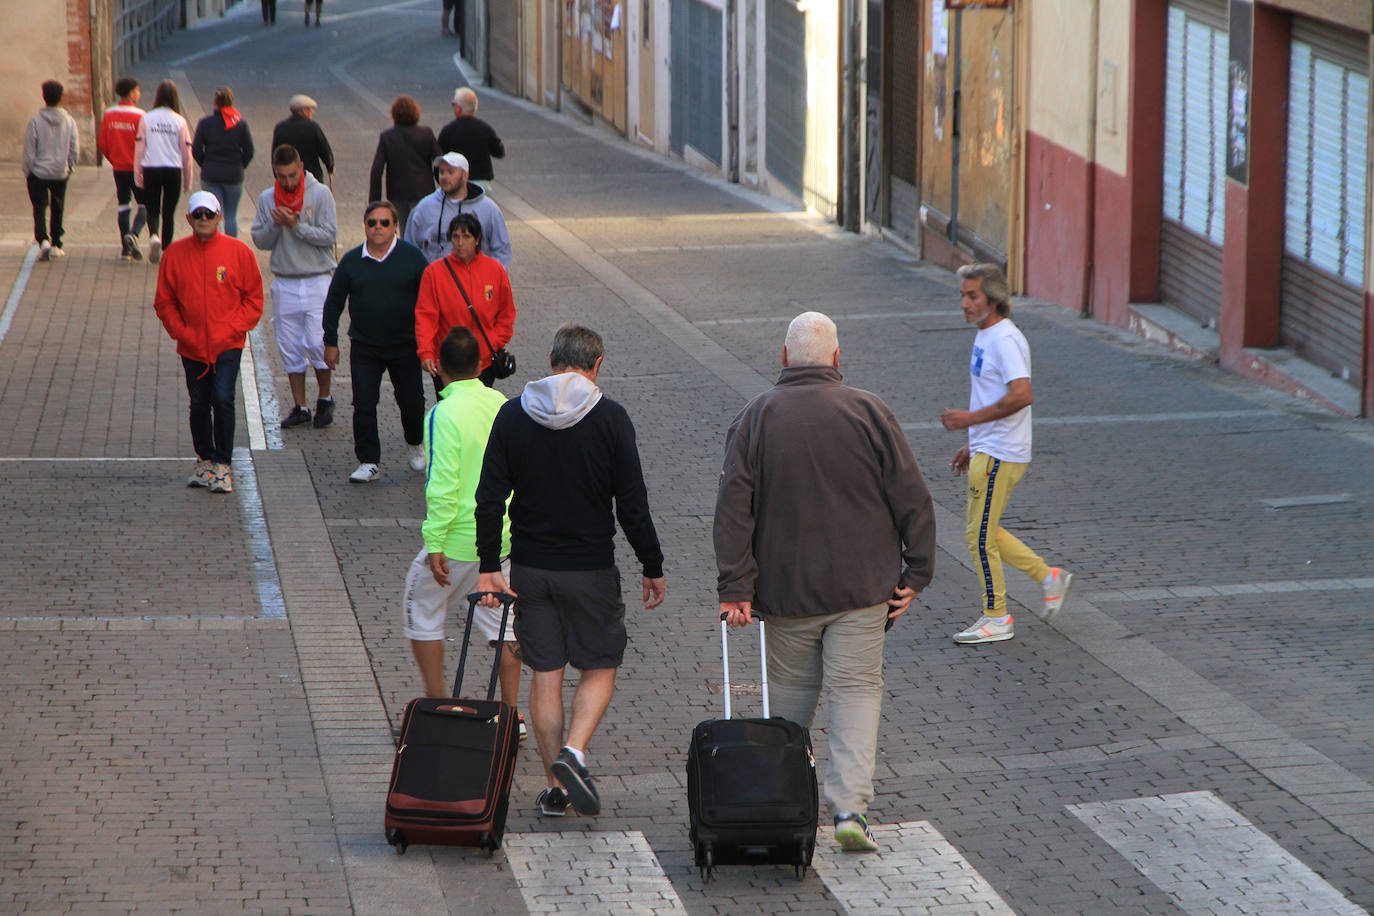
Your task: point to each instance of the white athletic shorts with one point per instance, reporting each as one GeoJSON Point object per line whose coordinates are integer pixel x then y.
{"type": "Point", "coordinates": [298, 308]}
{"type": "Point", "coordinates": [426, 604]}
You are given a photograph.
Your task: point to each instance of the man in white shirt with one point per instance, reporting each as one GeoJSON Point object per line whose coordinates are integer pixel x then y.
{"type": "Point", "coordinates": [998, 452]}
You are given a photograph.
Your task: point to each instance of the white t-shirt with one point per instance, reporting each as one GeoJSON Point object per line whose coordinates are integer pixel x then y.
{"type": "Point", "coordinates": [166, 138]}
{"type": "Point", "coordinates": [1000, 355]}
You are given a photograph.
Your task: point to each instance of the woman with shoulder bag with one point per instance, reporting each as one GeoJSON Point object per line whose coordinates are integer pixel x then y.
{"type": "Point", "coordinates": [466, 287]}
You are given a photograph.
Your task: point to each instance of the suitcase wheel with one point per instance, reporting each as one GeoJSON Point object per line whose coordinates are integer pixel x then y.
{"type": "Point", "coordinates": [706, 859]}
{"type": "Point", "coordinates": [488, 842]}
{"type": "Point", "coordinates": [397, 839]}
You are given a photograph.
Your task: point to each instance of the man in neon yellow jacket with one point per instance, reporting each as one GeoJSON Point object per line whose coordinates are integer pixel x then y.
{"type": "Point", "coordinates": [445, 571]}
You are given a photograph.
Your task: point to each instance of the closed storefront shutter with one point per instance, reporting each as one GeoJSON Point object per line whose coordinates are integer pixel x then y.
{"type": "Point", "coordinates": [1320, 314]}
{"type": "Point", "coordinates": [1194, 224]}
{"type": "Point", "coordinates": [697, 99]}
{"type": "Point", "coordinates": [785, 93]}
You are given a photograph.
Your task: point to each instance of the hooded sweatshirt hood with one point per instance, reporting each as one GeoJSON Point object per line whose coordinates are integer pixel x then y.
{"type": "Point", "coordinates": [561, 400]}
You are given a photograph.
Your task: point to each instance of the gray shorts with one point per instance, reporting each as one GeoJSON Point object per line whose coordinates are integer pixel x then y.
{"type": "Point", "coordinates": [569, 617]}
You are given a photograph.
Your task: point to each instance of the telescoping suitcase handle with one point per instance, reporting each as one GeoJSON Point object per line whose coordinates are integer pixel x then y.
{"type": "Point", "coordinates": [473, 598]}
{"type": "Point", "coordinates": [725, 663]}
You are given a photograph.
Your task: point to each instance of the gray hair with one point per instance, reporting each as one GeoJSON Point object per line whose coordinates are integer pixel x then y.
{"type": "Point", "coordinates": [465, 99]}
{"type": "Point", "coordinates": [576, 347]}
{"type": "Point", "coordinates": [811, 340]}
{"type": "Point", "coordinates": [994, 284]}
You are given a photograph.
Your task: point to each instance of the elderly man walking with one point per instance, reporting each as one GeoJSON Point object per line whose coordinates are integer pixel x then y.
{"type": "Point", "coordinates": [823, 525]}
{"type": "Point", "coordinates": [998, 452]}
{"type": "Point", "coordinates": [302, 131]}
{"type": "Point", "coordinates": [296, 222]}
{"type": "Point", "coordinates": [471, 136]}
{"type": "Point", "coordinates": [209, 296]}
{"type": "Point", "coordinates": [568, 455]}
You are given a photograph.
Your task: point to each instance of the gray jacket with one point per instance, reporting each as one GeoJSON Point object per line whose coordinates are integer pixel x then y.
{"type": "Point", "coordinates": [306, 250]}
{"type": "Point", "coordinates": [821, 506]}
{"type": "Point", "coordinates": [427, 228]}
{"type": "Point", "coordinates": [50, 144]}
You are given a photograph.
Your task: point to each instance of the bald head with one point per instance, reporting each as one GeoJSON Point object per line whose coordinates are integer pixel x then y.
{"type": "Point", "coordinates": [811, 341]}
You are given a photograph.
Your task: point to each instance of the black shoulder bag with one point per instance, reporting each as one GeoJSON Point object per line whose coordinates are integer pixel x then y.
{"type": "Point", "coordinates": [502, 360]}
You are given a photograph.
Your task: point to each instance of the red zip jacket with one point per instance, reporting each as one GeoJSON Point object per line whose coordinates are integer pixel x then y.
{"type": "Point", "coordinates": [209, 295]}
{"type": "Point", "coordinates": [440, 306]}
{"type": "Point", "coordinates": [116, 140]}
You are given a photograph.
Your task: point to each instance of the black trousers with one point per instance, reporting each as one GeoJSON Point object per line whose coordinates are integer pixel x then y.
{"type": "Point", "coordinates": [367, 364]}
{"type": "Point", "coordinates": [212, 390]}
{"type": "Point", "coordinates": [161, 192]}
{"type": "Point", "coordinates": [126, 191]}
{"type": "Point", "coordinates": [49, 199]}
{"type": "Point", "coordinates": [269, 11]}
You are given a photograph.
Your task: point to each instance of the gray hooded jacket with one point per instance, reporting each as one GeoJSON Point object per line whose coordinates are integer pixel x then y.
{"type": "Point", "coordinates": [50, 145]}
{"type": "Point", "coordinates": [306, 250]}
{"type": "Point", "coordinates": [427, 228]}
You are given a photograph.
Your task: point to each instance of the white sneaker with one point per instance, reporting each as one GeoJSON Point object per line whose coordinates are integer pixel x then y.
{"type": "Point", "coordinates": [201, 475]}
{"type": "Point", "coordinates": [366, 473]}
{"type": "Point", "coordinates": [418, 459]}
{"type": "Point", "coordinates": [985, 630]}
{"type": "Point", "coordinates": [56, 252]}
{"type": "Point", "coordinates": [1056, 591]}
{"type": "Point", "coordinates": [154, 250]}
{"type": "Point", "coordinates": [44, 250]}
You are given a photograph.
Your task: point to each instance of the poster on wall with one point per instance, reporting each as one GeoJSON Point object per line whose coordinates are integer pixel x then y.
{"type": "Point", "coordinates": [1238, 95]}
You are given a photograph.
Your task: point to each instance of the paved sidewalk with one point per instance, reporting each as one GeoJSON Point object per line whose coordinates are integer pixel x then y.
{"type": "Point", "coordinates": [201, 687]}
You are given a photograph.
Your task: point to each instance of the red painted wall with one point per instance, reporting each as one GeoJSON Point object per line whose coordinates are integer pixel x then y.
{"type": "Point", "coordinates": [1056, 221]}
{"type": "Point", "coordinates": [1066, 199]}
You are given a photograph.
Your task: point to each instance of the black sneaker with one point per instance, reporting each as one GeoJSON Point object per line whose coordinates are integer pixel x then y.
{"type": "Point", "coordinates": [577, 782]}
{"type": "Point", "coordinates": [299, 416]}
{"type": "Point", "coordinates": [324, 412]}
{"type": "Point", "coordinates": [552, 802]}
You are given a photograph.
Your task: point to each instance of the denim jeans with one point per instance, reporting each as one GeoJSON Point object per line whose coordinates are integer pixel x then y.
{"type": "Point", "coordinates": [212, 405]}
{"type": "Point", "coordinates": [367, 363]}
{"type": "Point", "coordinates": [228, 196]}
{"type": "Point", "coordinates": [841, 656]}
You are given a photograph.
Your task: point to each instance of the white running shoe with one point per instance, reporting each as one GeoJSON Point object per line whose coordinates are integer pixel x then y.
{"type": "Point", "coordinates": [418, 459]}
{"type": "Point", "coordinates": [985, 630]}
{"type": "Point", "coordinates": [366, 473]}
{"type": "Point", "coordinates": [154, 250]}
{"type": "Point", "coordinates": [1056, 591]}
{"type": "Point", "coordinates": [44, 250]}
{"type": "Point", "coordinates": [201, 475]}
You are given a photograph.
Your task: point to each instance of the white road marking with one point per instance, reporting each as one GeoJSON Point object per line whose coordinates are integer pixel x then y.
{"type": "Point", "coordinates": [268, 414]}
{"type": "Point", "coordinates": [784, 319]}
{"type": "Point", "coordinates": [1201, 852]}
{"type": "Point", "coordinates": [601, 872]}
{"type": "Point", "coordinates": [270, 599]}
{"type": "Point", "coordinates": [916, 871]}
{"type": "Point", "coordinates": [17, 290]}
{"type": "Point", "coordinates": [1179, 417]}
{"type": "Point", "coordinates": [252, 403]}
{"type": "Point", "coordinates": [1229, 589]}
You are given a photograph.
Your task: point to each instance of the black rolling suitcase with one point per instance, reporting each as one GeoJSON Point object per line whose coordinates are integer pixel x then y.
{"type": "Point", "coordinates": [751, 786]}
{"type": "Point", "coordinates": [450, 784]}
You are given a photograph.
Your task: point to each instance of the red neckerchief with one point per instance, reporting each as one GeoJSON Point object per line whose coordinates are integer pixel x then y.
{"type": "Point", "coordinates": [231, 117]}
{"type": "Point", "coordinates": [293, 201]}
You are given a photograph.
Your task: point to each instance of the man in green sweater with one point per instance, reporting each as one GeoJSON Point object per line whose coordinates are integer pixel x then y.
{"type": "Point", "coordinates": [379, 281]}
{"type": "Point", "coordinates": [445, 571]}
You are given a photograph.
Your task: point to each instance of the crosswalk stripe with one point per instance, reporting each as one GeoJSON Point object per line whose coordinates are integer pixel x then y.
{"type": "Point", "coordinates": [1203, 853]}
{"type": "Point", "coordinates": [601, 872]}
{"type": "Point", "coordinates": [916, 871]}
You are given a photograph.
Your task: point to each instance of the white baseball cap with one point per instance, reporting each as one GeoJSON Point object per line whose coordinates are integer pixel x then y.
{"type": "Point", "coordinates": [457, 160]}
{"type": "Point", "coordinates": [202, 200]}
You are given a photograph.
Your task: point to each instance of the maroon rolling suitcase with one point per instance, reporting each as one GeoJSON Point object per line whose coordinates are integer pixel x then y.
{"type": "Point", "coordinates": [450, 783]}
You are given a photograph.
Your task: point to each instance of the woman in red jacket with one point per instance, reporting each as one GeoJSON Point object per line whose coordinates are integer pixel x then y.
{"type": "Point", "coordinates": [456, 286]}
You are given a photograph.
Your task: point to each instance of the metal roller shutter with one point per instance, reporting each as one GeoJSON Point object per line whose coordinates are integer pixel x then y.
{"type": "Point", "coordinates": [1321, 310]}
{"type": "Point", "coordinates": [1194, 158]}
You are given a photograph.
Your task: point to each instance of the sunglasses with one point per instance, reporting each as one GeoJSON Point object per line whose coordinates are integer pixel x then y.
{"type": "Point", "coordinates": [373, 223]}
{"type": "Point", "coordinates": [203, 213]}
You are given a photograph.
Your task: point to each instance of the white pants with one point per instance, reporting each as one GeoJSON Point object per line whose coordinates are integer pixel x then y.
{"type": "Point", "coordinates": [426, 604]}
{"type": "Point", "coordinates": [299, 322]}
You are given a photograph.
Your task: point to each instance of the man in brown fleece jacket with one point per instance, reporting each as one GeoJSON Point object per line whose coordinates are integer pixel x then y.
{"type": "Point", "coordinates": [823, 525]}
